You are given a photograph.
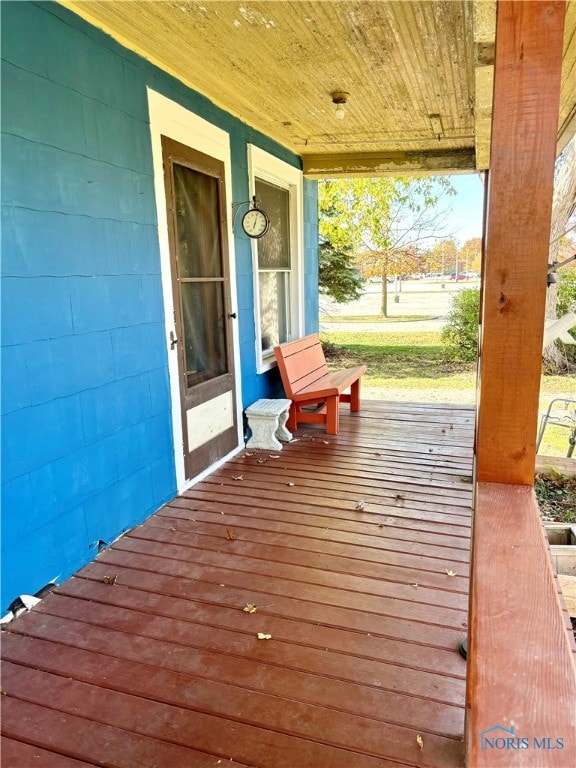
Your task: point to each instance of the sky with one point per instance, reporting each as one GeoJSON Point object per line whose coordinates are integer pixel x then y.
{"type": "Point", "coordinates": [466, 216]}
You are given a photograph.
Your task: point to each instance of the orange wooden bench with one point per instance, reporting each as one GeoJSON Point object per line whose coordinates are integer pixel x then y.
{"type": "Point", "coordinates": [307, 382]}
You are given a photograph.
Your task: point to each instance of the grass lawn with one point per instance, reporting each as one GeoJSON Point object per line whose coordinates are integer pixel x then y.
{"type": "Point", "coordinates": [415, 367]}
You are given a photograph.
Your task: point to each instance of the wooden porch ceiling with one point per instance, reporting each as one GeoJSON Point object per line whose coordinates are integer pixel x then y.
{"type": "Point", "coordinates": [419, 74]}
{"type": "Point", "coordinates": [163, 667]}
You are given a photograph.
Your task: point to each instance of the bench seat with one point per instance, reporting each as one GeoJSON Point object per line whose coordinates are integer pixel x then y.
{"type": "Point", "coordinates": [308, 382]}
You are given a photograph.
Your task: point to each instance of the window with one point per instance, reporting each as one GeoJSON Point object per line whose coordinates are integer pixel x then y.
{"type": "Point", "coordinates": [277, 255]}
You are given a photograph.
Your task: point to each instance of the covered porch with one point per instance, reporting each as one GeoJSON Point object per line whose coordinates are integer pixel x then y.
{"type": "Point", "coordinates": [355, 548]}
{"type": "Point", "coordinates": [355, 551]}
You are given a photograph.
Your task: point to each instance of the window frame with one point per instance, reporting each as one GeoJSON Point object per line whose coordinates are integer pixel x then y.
{"type": "Point", "coordinates": [271, 169]}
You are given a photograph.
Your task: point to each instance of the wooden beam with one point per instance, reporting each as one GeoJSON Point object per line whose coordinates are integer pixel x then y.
{"type": "Point", "coordinates": [333, 166]}
{"type": "Point", "coordinates": [529, 37]}
{"type": "Point", "coordinates": [521, 672]}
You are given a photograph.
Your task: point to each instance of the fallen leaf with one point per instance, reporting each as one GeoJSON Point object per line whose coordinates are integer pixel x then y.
{"type": "Point", "coordinates": [450, 573]}
{"type": "Point", "coordinates": [262, 636]}
{"type": "Point", "coordinates": [377, 454]}
{"type": "Point", "coordinates": [250, 608]}
{"type": "Point", "coordinates": [249, 453]}
{"type": "Point", "coordinates": [273, 456]}
{"type": "Point", "coordinates": [413, 585]}
{"type": "Point", "coordinates": [443, 431]}
{"type": "Point", "coordinates": [451, 426]}
{"type": "Point", "coordinates": [172, 528]}
{"type": "Point", "coordinates": [230, 535]}
{"type": "Point", "coordinates": [326, 442]}
{"type": "Point", "coordinates": [110, 579]}
{"type": "Point", "coordinates": [420, 741]}
{"type": "Point", "coordinates": [261, 461]}
{"type": "Point", "coordinates": [380, 525]}
{"type": "Point", "coordinates": [294, 440]}
{"type": "Point", "coordinates": [290, 485]}
{"type": "Point", "coordinates": [3, 692]}
{"type": "Point", "coordinates": [359, 505]}
{"type": "Point", "coordinates": [237, 477]}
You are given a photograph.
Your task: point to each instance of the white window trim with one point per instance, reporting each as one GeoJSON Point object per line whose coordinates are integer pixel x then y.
{"type": "Point", "coordinates": [269, 168]}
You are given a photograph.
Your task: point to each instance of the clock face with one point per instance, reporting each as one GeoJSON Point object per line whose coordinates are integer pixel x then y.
{"type": "Point", "coordinates": [255, 222]}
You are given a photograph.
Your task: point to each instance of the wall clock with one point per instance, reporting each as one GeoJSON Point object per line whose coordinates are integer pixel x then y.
{"type": "Point", "coordinates": [255, 222]}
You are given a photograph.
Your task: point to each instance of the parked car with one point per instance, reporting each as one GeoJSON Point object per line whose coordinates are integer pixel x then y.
{"type": "Point", "coordinates": [459, 276]}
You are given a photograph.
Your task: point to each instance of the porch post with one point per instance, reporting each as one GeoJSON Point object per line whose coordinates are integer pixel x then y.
{"type": "Point", "coordinates": [528, 59]}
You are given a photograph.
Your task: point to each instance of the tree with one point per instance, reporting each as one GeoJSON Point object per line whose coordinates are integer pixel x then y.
{"type": "Point", "coordinates": [470, 255]}
{"type": "Point", "coordinates": [385, 220]}
{"type": "Point", "coordinates": [337, 274]}
{"type": "Point", "coordinates": [444, 255]}
{"type": "Point", "coordinates": [393, 261]}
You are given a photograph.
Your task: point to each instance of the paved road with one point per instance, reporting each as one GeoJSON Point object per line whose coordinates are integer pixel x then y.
{"type": "Point", "coordinates": [417, 298]}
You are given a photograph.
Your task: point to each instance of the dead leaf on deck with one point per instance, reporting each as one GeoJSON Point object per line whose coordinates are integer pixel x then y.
{"type": "Point", "coordinates": [249, 453]}
{"type": "Point", "coordinates": [413, 585]}
{"type": "Point", "coordinates": [273, 456]}
{"type": "Point", "coordinates": [450, 573]}
{"type": "Point", "coordinates": [230, 535]}
{"type": "Point", "coordinates": [261, 461]}
{"type": "Point", "coordinates": [237, 477]}
{"type": "Point", "coordinates": [359, 505]}
{"type": "Point", "coordinates": [290, 485]}
{"type": "Point", "coordinates": [263, 636]}
{"type": "Point", "coordinates": [326, 442]}
{"type": "Point", "coordinates": [377, 454]}
{"type": "Point", "coordinates": [398, 500]}
{"type": "Point", "coordinates": [250, 608]}
{"type": "Point", "coordinates": [420, 741]}
{"type": "Point", "coordinates": [110, 579]}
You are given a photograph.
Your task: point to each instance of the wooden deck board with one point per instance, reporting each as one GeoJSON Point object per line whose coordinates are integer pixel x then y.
{"type": "Point", "coordinates": [165, 668]}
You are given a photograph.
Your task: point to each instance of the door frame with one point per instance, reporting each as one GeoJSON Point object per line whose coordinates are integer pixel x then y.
{"type": "Point", "coordinates": [167, 118]}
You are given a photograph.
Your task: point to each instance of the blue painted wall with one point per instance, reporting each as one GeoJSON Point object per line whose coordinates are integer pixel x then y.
{"type": "Point", "coordinates": [86, 425]}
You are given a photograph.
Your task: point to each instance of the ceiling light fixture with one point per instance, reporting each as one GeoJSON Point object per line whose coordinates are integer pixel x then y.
{"type": "Point", "coordinates": [436, 123]}
{"type": "Point", "coordinates": [339, 98]}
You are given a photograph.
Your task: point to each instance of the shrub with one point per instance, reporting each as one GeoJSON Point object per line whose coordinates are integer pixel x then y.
{"type": "Point", "coordinates": [566, 302]}
{"type": "Point", "coordinates": [460, 333]}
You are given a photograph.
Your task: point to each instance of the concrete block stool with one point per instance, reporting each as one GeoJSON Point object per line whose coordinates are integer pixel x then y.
{"type": "Point", "coordinates": [267, 420]}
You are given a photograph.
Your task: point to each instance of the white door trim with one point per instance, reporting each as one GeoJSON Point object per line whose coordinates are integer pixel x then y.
{"type": "Point", "coordinates": [167, 118]}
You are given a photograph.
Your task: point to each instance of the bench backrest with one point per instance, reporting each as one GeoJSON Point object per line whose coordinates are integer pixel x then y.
{"type": "Point", "coordinates": [301, 363]}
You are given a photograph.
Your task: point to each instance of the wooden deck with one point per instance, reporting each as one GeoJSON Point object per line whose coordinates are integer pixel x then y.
{"type": "Point", "coordinates": [355, 550]}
